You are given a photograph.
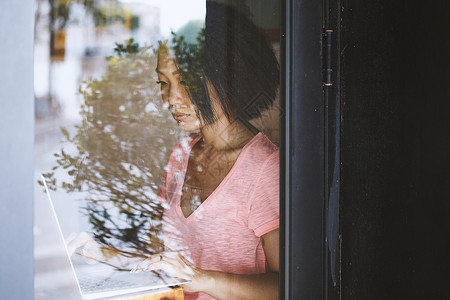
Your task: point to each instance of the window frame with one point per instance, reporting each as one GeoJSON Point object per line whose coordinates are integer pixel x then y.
{"type": "Point", "coordinates": [310, 157]}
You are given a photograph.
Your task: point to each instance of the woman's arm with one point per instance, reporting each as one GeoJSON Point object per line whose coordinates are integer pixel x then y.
{"type": "Point", "coordinates": [224, 285]}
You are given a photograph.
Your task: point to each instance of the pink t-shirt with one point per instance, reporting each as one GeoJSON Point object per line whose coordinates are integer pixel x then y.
{"type": "Point", "coordinates": [223, 233]}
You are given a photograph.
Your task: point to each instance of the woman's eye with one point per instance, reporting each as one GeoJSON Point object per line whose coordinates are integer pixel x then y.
{"type": "Point", "coordinates": [161, 82]}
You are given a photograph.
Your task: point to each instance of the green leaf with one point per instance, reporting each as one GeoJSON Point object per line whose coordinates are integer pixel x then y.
{"type": "Point", "coordinates": [65, 133]}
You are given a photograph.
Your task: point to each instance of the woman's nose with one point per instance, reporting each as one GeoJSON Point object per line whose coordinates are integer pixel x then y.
{"type": "Point", "coordinates": [176, 95]}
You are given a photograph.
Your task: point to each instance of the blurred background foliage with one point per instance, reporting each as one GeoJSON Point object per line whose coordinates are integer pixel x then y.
{"type": "Point", "coordinates": [122, 146]}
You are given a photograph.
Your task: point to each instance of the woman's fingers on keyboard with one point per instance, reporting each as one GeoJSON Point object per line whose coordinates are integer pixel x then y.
{"type": "Point", "coordinates": [84, 245]}
{"type": "Point", "coordinates": [172, 263]}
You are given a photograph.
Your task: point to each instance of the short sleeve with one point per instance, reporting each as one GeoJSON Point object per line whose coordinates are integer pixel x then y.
{"type": "Point", "coordinates": [264, 213]}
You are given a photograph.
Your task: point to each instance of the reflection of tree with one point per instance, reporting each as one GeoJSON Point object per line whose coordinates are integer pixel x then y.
{"type": "Point", "coordinates": [190, 31]}
{"type": "Point", "coordinates": [122, 146]}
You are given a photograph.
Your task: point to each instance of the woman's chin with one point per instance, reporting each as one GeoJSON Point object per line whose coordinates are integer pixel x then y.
{"type": "Point", "coordinates": [189, 126]}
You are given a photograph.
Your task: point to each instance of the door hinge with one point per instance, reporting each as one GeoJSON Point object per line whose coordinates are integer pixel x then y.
{"type": "Point", "coordinates": [327, 68]}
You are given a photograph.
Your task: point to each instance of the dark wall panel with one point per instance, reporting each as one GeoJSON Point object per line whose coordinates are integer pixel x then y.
{"type": "Point", "coordinates": [395, 151]}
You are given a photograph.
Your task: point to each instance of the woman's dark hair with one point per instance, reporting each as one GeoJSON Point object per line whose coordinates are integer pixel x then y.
{"type": "Point", "coordinates": [239, 63]}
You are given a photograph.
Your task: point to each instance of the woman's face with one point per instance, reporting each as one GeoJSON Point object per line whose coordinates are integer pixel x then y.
{"type": "Point", "coordinates": [174, 91]}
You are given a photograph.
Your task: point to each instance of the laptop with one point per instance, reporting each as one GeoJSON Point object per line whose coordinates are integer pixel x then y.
{"type": "Point", "coordinates": [104, 280]}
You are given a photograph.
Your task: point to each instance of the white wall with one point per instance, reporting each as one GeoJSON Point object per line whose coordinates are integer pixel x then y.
{"type": "Point", "coordinates": [16, 151]}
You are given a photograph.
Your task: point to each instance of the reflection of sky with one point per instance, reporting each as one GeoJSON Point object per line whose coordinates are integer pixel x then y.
{"type": "Point", "coordinates": [175, 13]}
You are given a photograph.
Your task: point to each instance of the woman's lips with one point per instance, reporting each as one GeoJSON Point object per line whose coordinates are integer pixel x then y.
{"type": "Point", "coordinates": [180, 117]}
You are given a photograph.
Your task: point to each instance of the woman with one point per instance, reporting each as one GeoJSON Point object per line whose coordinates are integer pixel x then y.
{"type": "Point", "coordinates": [221, 185]}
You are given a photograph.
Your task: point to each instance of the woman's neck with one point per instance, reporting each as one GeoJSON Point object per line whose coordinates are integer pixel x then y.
{"type": "Point", "coordinates": [224, 135]}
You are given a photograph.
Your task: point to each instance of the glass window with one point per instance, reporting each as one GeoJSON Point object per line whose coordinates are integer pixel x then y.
{"type": "Point", "coordinates": [157, 134]}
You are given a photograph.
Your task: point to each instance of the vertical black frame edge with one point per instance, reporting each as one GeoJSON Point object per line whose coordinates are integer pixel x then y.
{"type": "Point", "coordinates": [332, 141]}
{"type": "Point", "coordinates": [304, 153]}
{"type": "Point", "coordinates": [284, 229]}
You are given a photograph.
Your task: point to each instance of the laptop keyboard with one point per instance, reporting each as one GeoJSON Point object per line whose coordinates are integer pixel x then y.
{"type": "Point", "coordinates": [91, 284]}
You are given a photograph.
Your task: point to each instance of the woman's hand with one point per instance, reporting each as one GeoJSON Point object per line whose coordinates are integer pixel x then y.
{"type": "Point", "coordinates": [174, 264]}
{"type": "Point", "coordinates": [84, 245]}
{"type": "Point", "coordinates": [222, 285]}
{"type": "Point", "coordinates": [91, 252]}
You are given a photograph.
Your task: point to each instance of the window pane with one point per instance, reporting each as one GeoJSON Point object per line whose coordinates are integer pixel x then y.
{"type": "Point", "coordinates": [157, 134]}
